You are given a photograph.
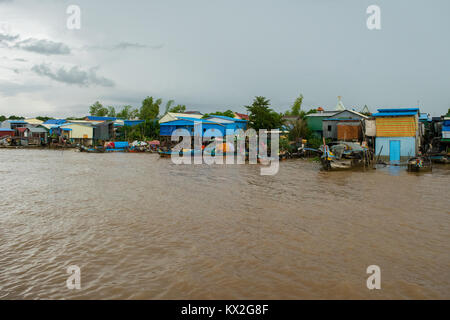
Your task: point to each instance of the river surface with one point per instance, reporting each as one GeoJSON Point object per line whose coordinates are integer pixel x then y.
{"type": "Point", "coordinates": [141, 227]}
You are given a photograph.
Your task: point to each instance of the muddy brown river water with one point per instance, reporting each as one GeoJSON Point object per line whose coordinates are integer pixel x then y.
{"type": "Point", "coordinates": [140, 227]}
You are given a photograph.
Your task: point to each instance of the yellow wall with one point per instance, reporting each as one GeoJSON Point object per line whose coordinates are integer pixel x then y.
{"type": "Point", "coordinates": [396, 126]}
{"type": "Point", "coordinates": [79, 131]}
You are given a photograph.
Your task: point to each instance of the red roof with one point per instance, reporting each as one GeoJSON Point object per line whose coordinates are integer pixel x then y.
{"type": "Point", "coordinates": [22, 130]}
{"type": "Point", "coordinates": [242, 116]}
{"type": "Point", "coordinates": [320, 109]}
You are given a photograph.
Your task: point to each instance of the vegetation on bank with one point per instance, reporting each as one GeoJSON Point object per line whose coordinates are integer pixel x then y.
{"type": "Point", "coordinates": [261, 116]}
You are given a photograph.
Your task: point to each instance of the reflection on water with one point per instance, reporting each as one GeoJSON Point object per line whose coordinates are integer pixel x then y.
{"type": "Point", "coordinates": [141, 227]}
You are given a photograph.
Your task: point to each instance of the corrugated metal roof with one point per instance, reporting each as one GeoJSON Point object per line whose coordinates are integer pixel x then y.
{"type": "Point", "coordinates": [95, 118]}
{"type": "Point", "coordinates": [394, 114]}
{"type": "Point", "coordinates": [424, 116]}
{"type": "Point", "coordinates": [242, 115]}
{"type": "Point", "coordinates": [77, 124]}
{"type": "Point", "coordinates": [322, 114]}
{"type": "Point", "coordinates": [17, 121]}
{"type": "Point", "coordinates": [38, 130]}
{"type": "Point", "coordinates": [55, 121]}
{"type": "Point", "coordinates": [226, 118]}
{"type": "Point", "coordinates": [185, 121]}
{"type": "Point", "coordinates": [5, 129]}
{"type": "Point", "coordinates": [399, 110]}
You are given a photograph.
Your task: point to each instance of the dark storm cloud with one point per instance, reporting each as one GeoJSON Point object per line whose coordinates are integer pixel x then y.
{"type": "Point", "coordinates": [72, 76]}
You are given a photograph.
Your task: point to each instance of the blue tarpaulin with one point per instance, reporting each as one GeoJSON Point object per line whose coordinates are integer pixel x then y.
{"type": "Point", "coordinates": [121, 144]}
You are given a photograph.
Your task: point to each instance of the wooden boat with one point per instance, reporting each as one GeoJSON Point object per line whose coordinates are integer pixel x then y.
{"type": "Point", "coordinates": [91, 150]}
{"type": "Point", "coordinates": [169, 153]}
{"type": "Point", "coordinates": [419, 164]}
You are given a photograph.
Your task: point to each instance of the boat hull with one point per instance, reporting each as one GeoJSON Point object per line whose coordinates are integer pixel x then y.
{"type": "Point", "coordinates": [419, 164]}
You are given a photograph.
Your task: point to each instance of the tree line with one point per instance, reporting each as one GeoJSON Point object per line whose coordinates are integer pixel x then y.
{"type": "Point", "coordinates": [150, 109]}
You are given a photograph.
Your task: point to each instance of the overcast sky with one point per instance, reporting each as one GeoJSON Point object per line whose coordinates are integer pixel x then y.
{"type": "Point", "coordinates": [214, 55]}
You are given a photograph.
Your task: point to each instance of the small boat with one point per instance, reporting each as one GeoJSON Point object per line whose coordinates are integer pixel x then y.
{"type": "Point", "coordinates": [184, 152]}
{"type": "Point", "coordinates": [91, 150]}
{"type": "Point", "coordinates": [344, 155]}
{"type": "Point", "coordinates": [419, 164]}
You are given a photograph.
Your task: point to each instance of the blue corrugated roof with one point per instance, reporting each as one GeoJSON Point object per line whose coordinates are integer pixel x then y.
{"type": "Point", "coordinates": [400, 110]}
{"type": "Point", "coordinates": [95, 118]}
{"type": "Point", "coordinates": [394, 114]}
{"type": "Point", "coordinates": [186, 121]}
{"type": "Point", "coordinates": [17, 121]}
{"type": "Point", "coordinates": [5, 129]}
{"type": "Point", "coordinates": [55, 121]}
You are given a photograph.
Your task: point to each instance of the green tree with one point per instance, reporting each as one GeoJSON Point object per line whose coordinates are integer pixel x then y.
{"type": "Point", "coordinates": [44, 118]}
{"type": "Point", "coordinates": [2, 118]}
{"type": "Point", "coordinates": [299, 129]}
{"type": "Point", "coordinates": [150, 108]}
{"type": "Point", "coordinates": [448, 113]}
{"type": "Point", "coordinates": [134, 113]}
{"type": "Point", "coordinates": [178, 108]}
{"type": "Point", "coordinates": [16, 118]}
{"type": "Point", "coordinates": [284, 144]}
{"type": "Point", "coordinates": [227, 113]}
{"type": "Point", "coordinates": [125, 112]}
{"type": "Point", "coordinates": [111, 111]}
{"type": "Point", "coordinates": [148, 130]}
{"type": "Point", "coordinates": [261, 116]}
{"type": "Point", "coordinates": [168, 106]}
{"type": "Point", "coordinates": [97, 109]}
{"type": "Point", "coordinates": [296, 107]}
